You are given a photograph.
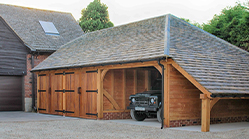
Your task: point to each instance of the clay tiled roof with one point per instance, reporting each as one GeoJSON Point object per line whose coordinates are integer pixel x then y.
{"type": "Point", "coordinates": [25, 22]}
{"type": "Point", "coordinates": [220, 67]}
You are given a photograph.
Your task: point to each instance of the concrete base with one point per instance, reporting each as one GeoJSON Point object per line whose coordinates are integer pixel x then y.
{"type": "Point", "coordinates": [216, 127]}
{"type": "Point", "coordinates": [147, 122]}
{"type": "Point", "coordinates": [213, 127]}
{"type": "Point", "coordinates": [28, 104]}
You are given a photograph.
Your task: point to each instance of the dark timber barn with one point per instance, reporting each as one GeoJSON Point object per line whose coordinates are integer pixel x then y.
{"type": "Point", "coordinates": [205, 78]}
{"type": "Point", "coordinates": [26, 39]}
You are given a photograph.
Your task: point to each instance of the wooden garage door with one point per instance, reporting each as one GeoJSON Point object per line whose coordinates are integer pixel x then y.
{"type": "Point", "coordinates": [57, 93]}
{"type": "Point", "coordinates": [64, 95]}
{"type": "Point", "coordinates": [88, 98]}
{"type": "Point", "coordinates": [10, 93]}
{"type": "Point", "coordinates": [44, 91]}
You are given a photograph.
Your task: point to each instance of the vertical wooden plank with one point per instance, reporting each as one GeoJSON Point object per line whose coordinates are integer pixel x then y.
{"type": "Point", "coordinates": [38, 93]}
{"type": "Point", "coordinates": [146, 80]}
{"type": "Point", "coordinates": [166, 95]}
{"type": "Point", "coordinates": [124, 88]}
{"type": "Point", "coordinates": [135, 81]}
{"type": "Point", "coordinates": [112, 85]}
{"type": "Point", "coordinates": [205, 115]}
{"type": "Point", "coordinates": [99, 95]}
{"type": "Point", "coordinates": [49, 93]}
{"type": "Point", "coordinates": [83, 100]}
{"type": "Point", "coordinates": [149, 80]}
{"type": "Point", "coordinates": [64, 94]}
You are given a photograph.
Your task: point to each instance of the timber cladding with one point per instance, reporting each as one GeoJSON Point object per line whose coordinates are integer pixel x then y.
{"type": "Point", "coordinates": [74, 92]}
{"type": "Point", "coordinates": [185, 104]}
{"type": "Point", "coordinates": [185, 100]}
{"type": "Point", "coordinates": [70, 93]}
{"type": "Point", "coordinates": [13, 51]}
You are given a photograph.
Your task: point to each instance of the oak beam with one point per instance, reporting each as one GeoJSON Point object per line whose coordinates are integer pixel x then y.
{"type": "Point", "coordinates": [111, 99]}
{"type": "Point", "coordinates": [129, 65]}
{"type": "Point", "coordinates": [213, 102]}
{"type": "Point", "coordinates": [191, 79]}
{"type": "Point", "coordinates": [104, 73]}
{"type": "Point", "coordinates": [158, 68]}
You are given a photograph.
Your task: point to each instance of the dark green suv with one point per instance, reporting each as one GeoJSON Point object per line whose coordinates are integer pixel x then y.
{"type": "Point", "coordinates": [146, 104]}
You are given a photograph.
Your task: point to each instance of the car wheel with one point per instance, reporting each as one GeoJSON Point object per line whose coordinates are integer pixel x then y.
{"type": "Point", "coordinates": [159, 117]}
{"type": "Point", "coordinates": [136, 115]}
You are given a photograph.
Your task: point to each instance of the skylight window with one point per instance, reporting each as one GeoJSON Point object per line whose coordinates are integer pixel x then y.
{"type": "Point", "coordinates": [49, 28]}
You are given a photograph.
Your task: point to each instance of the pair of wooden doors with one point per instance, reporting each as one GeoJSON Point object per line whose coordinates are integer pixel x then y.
{"type": "Point", "coordinates": [68, 93]}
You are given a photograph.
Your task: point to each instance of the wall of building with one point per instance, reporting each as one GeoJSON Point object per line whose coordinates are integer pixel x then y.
{"type": "Point", "coordinates": [226, 110]}
{"type": "Point", "coordinates": [13, 52]}
{"type": "Point", "coordinates": [185, 105]}
{"type": "Point", "coordinates": [28, 78]}
{"type": "Point", "coordinates": [120, 84]}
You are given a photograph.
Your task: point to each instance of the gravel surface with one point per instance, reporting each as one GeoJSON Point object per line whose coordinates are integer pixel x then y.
{"type": "Point", "coordinates": [82, 128]}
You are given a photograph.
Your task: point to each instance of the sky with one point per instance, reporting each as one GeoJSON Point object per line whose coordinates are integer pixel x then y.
{"type": "Point", "coordinates": [126, 11]}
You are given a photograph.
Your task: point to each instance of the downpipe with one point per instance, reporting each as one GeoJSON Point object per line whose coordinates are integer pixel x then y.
{"type": "Point", "coordinates": [162, 102]}
{"type": "Point", "coordinates": [33, 84]}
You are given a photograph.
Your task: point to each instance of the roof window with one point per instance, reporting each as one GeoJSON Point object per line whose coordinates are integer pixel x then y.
{"type": "Point", "coordinates": [49, 28]}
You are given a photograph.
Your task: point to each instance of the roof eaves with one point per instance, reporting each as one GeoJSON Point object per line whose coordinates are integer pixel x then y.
{"type": "Point", "coordinates": [102, 64]}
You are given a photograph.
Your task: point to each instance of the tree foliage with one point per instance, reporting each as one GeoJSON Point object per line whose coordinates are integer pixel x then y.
{"type": "Point", "coordinates": [95, 17]}
{"type": "Point", "coordinates": [231, 25]}
{"type": "Point", "coordinates": [193, 23]}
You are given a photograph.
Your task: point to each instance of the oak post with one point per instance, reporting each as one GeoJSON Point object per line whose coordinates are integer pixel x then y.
{"type": "Point", "coordinates": [205, 113]}
{"type": "Point", "coordinates": [100, 95]}
{"type": "Point", "coordinates": [166, 95]}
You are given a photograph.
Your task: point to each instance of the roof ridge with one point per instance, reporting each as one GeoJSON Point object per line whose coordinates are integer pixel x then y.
{"type": "Point", "coordinates": [105, 29]}
{"type": "Point", "coordinates": [25, 7]}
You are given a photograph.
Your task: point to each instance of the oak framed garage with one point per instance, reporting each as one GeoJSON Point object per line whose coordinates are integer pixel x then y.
{"type": "Point", "coordinates": [205, 78]}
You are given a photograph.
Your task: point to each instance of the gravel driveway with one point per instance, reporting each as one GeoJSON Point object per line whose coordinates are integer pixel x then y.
{"type": "Point", "coordinates": [82, 128]}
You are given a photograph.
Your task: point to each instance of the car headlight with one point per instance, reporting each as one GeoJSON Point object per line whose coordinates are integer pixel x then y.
{"type": "Point", "coordinates": [133, 100]}
{"type": "Point", "coordinates": [152, 100]}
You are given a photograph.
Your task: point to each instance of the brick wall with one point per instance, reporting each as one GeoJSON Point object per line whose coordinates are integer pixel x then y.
{"type": "Point", "coordinates": [116, 115]}
{"type": "Point", "coordinates": [178, 123]}
{"type": "Point", "coordinates": [28, 78]}
{"type": "Point", "coordinates": [229, 120]}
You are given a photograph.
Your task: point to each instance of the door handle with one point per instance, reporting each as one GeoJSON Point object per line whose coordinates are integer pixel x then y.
{"type": "Point", "coordinates": [79, 90]}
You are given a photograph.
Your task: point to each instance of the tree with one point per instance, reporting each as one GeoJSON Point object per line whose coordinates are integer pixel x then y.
{"type": "Point", "coordinates": [95, 17]}
{"type": "Point", "coordinates": [193, 23]}
{"type": "Point", "coordinates": [231, 25]}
